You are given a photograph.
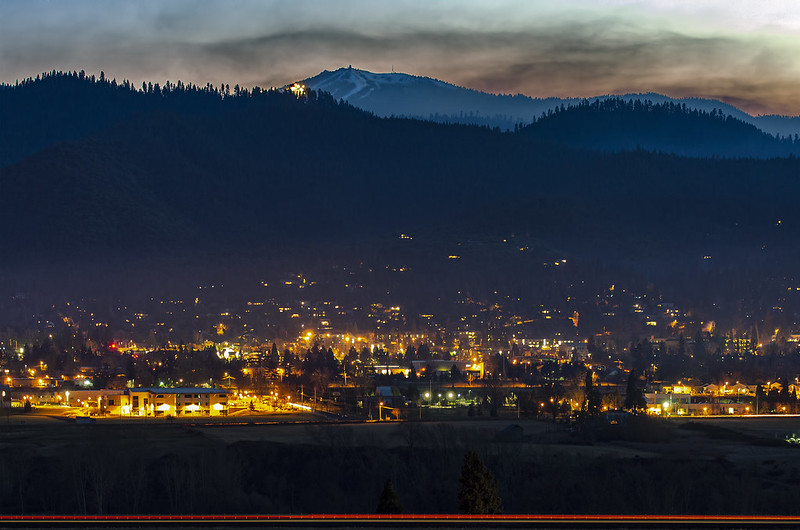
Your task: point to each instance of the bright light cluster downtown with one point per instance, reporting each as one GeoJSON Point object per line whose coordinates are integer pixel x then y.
{"type": "Point", "coordinates": [388, 373]}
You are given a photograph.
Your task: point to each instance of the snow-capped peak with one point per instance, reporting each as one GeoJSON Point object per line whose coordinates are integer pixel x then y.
{"type": "Point", "coordinates": [353, 84]}
{"type": "Point", "coordinates": [397, 94]}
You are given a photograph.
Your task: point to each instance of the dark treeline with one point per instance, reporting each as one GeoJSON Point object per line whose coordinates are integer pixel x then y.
{"type": "Point", "coordinates": [501, 121]}
{"type": "Point", "coordinates": [172, 470]}
{"type": "Point", "coordinates": [703, 359]}
{"type": "Point", "coordinates": [57, 106]}
{"type": "Point", "coordinates": [615, 124]}
{"type": "Point", "coordinates": [122, 169]}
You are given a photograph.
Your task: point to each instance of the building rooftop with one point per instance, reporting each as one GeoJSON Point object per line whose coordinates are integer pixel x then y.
{"type": "Point", "coordinates": [180, 390]}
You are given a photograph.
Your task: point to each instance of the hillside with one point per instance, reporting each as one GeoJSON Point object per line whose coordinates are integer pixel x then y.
{"type": "Point", "coordinates": [624, 125]}
{"type": "Point", "coordinates": [398, 94]}
{"type": "Point", "coordinates": [186, 168]}
{"type": "Point", "coordinates": [59, 106]}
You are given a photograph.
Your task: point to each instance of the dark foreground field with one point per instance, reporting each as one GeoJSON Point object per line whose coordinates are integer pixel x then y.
{"type": "Point", "coordinates": [733, 466]}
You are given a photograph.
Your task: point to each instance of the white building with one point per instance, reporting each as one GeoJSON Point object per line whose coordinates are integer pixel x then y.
{"type": "Point", "coordinates": [159, 401]}
{"type": "Point", "coordinates": [155, 401]}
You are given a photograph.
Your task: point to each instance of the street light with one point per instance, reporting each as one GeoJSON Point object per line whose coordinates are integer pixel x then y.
{"type": "Point", "coordinates": [380, 411]}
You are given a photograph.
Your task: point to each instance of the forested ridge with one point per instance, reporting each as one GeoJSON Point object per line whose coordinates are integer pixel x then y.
{"type": "Point", "coordinates": [92, 164]}
{"type": "Point", "coordinates": [615, 124]}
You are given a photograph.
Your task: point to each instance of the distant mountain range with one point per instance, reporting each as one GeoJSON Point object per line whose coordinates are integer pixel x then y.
{"type": "Point", "coordinates": [397, 94]}
{"type": "Point", "coordinates": [140, 185]}
{"type": "Point", "coordinates": [89, 164]}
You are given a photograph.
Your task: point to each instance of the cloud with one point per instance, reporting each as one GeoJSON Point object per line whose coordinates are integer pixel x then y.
{"type": "Point", "coordinates": [575, 60]}
{"type": "Point", "coordinates": [572, 48]}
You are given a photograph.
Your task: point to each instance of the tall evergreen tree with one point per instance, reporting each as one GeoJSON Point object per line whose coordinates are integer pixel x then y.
{"type": "Point", "coordinates": [634, 398]}
{"type": "Point", "coordinates": [390, 500]}
{"type": "Point", "coordinates": [477, 489]}
{"type": "Point", "coordinates": [761, 398]}
{"type": "Point", "coordinates": [592, 400]}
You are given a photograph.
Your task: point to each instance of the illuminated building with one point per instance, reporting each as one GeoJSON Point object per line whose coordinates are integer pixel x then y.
{"type": "Point", "coordinates": [155, 401]}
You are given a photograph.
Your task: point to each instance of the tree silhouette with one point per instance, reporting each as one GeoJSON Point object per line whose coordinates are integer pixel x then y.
{"type": "Point", "coordinates": [634, 399]}
{"type": "Point", "coordinates": [477, 489]}
{"type": "Point", "coordinates": [494, 392]}
{"type": "Point", "coordinates": [592, 400]}
{"type": "Point", "coordinates": [390, 500]}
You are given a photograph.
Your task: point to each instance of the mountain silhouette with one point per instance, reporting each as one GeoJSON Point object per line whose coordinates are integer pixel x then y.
{"type": "Point", "coordinates": [106, 167]}
{"type": "Point", "coordinates": [398, 94]}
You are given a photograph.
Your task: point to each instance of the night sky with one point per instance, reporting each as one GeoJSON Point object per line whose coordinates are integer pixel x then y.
{"type": "Point", "coordinates": [743, 52]}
